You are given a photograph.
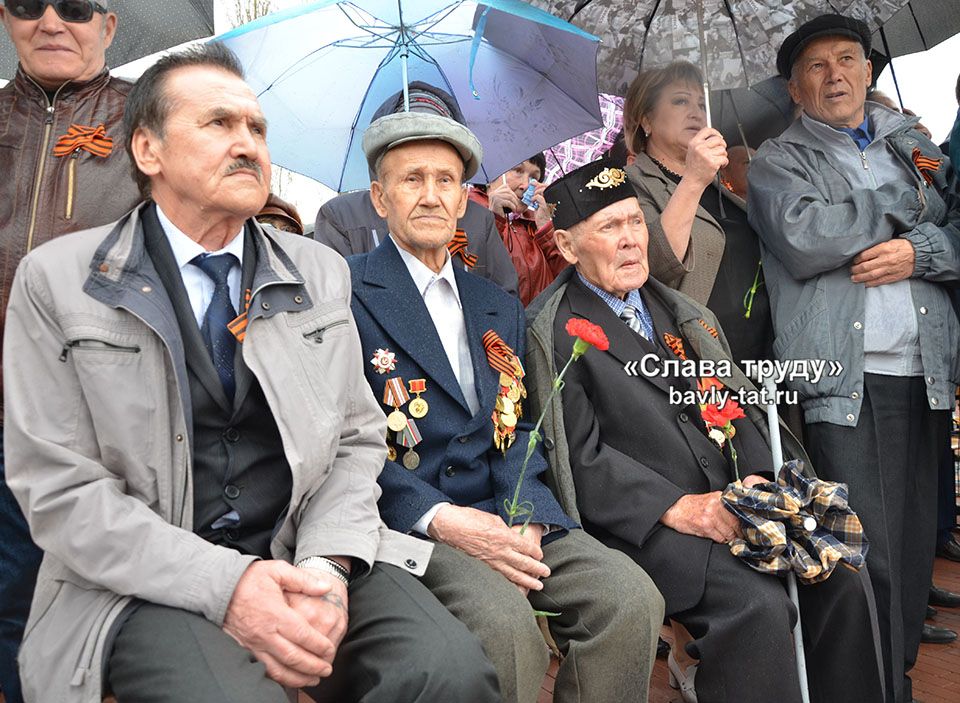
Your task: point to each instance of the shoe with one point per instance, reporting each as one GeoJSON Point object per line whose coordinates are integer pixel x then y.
{"type": "Point", "coordinates": [662, 648]}
{"type": "Point", "coordinates": [943, 598]}
{"type": "Point", "coordinates": [949, 550]}
{"type": "Point", "coordinates": [682, 680]}
{"type": "Point", "coordinates": [931, 635]}
{"type": "Point", "coordinates": [931, 613]}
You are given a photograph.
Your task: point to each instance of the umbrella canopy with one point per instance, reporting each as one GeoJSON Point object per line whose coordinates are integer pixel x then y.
{"type": "Point", "coordinates": [143, 28]}
{"type": "Point", "coordinates": [741, 37]}
{"type": "Point", "coordinates": [524, 79]}
{"type": "Point", "coordinates": [589, 146]}
{"type": "Point", "coordinates": [798, 524]}
{"type": "Point", "coordinates": [919, 26]}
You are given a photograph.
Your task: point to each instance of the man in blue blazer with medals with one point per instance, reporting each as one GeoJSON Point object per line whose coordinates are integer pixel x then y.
{"type": "Point", "coordinates": [443, 350]}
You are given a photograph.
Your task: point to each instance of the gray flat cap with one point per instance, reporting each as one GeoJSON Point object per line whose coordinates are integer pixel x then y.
{"type": "Point", "coordinates": [402, 127]}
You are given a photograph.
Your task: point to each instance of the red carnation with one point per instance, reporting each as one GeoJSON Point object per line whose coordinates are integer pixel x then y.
{"type": "Point", "coordinates": [587, 331]}
{"type": "Point", "coordinates": [715, 417]}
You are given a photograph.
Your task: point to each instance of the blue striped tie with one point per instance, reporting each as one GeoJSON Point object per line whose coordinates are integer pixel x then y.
{"type": "Point", "coordinates": [220, 342]}
{"type": "Point", "coordinates": [638, 319]}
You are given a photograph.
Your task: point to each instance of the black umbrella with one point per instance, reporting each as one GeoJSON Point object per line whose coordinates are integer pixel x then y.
{"type": "Point", "coordinates": [144, 27]}
{"type": "Point", "coordinates": [919, 26]}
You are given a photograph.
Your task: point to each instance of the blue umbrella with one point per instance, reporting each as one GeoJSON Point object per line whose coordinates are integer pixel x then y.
{"type": "Point", "coordinates": [525, 80]}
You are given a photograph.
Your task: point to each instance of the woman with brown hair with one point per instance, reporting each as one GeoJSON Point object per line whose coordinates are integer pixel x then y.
{"type": "Point", "coordinates": [700, 241]}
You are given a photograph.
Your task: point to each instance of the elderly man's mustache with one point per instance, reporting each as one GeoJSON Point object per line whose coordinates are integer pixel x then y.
{"type": "Point", "coordinates": [245, 164]}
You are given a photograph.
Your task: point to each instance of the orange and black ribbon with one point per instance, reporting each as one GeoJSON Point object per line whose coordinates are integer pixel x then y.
{"type": "Point", "coordinates": [675, 344]}
{"type": "Point", "coordinates": [926, 165]}
{"type": "Point", "coordinates": [458, 246]}
{"type": "Point", "coordinates": [708, 328]}
{"type": "Point", "coordinates": [499, 355]}
{"type": "Point", "coordinates": [238, 326]}
{"type": "Point", "coordinates": [90, 139]}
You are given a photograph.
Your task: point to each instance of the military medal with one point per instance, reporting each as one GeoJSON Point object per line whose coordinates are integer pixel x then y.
{"type": "Point", "coordinates": [409, 436]}
{"type": "Point", "coordinates": [507, 410]}
{"type": "Point", "coordinates": [418, 406]}
{"type": "Point", "coordinates": [391, 452]}
{"type": "Point", "coordinates": [384, 361]}
{"type": "Point", "coordinates": [395, 395]}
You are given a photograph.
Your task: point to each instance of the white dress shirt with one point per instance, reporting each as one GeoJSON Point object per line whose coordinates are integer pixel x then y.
{"type": "Point", "coordinates": [442, 298]}
{"type": "Point", "coordinates": [198, 284]}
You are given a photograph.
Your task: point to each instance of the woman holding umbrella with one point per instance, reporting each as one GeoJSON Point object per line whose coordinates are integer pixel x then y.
{"type": "Point", "coordinates": [700, 241]}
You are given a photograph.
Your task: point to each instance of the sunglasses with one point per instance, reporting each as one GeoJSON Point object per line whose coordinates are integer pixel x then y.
{"type": "Point", "coordinates": [68, 10]}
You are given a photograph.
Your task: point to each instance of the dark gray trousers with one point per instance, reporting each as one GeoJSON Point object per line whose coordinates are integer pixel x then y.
{"type": "Point", "coordinates": [889, 462]}
{"type": "Point", "coordinates": [401, 645]}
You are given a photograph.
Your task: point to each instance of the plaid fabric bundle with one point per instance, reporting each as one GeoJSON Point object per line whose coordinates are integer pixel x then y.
{"type": "Point", "coordinates": [798, 523]}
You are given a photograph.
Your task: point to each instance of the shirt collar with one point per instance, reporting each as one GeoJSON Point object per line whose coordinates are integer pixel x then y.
{"type": "Point", "coordinates": [613, 302]}
{"type": "Point", "coordinates": [186, 250]}
{"type": "Point", "coordinates": [861, 134]}
{"type": "Point", "coordinates": [424, 277]}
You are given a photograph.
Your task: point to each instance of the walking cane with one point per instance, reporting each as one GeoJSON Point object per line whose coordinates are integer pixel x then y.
{"type": "Point", "coordinates": [773, 425]}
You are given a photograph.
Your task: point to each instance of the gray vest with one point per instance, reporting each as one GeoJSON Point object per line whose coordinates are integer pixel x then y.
{"type": "Point", "coordinates": [241, 478]}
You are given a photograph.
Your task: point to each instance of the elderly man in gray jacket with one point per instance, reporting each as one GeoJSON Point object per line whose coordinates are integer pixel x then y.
{"type": "Point", "coordinates": [204, 483]}
{"type": "Point", "coordinates": [860, 248]}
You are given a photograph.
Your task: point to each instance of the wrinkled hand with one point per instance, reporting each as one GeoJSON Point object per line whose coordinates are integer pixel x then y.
{"type": "Point", "coordinates": [487, 537]}
{"type": "Point", "coordinates": [503, 199]}
{"type": "Point", "coordinates": [887, 262]}
{"type": "Point", "coordinates": [544, 213]}
{"type": "Point", "coordinates": [702, 515]}
{"type": "Point", "coordinates": [706, 154]}
{"type": "Point", "coordinates": [534, 533]}
{"type": "Point", "coordinates": [328, 614]}
{"type": "Point", "coordinates": [260, 619]}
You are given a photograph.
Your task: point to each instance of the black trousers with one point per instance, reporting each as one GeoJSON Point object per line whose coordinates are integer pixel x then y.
{"type": "Point", "coordinates": [889, 462]}
{"type": "Point", "coordinates": [401, 645]}
{"type": "Point", "coordinates": [742, 629]}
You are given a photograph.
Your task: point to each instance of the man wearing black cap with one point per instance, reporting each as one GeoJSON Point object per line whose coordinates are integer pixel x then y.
{"type": "Point", "coordinates": [861, 246]}
{"type": "Point", "coordinates": [349, 224]}
{"type": "Point", "coordinates": [646, 477]}
{"type": "Point", "coordinates": [443, 351]}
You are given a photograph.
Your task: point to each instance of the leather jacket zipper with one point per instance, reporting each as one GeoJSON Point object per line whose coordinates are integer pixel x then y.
{"type": "Point", "coordinates": [41, 160]}
{"type": "Point", "coordinates": [71, 183]}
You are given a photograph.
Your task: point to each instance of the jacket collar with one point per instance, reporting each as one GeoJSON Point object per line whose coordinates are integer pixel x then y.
{"type": "Point", "coordinates": [813, 134]}
{"type": "Point", "coordinates": [390, 296]}
{"type": "Point", "coordinates": [29, 88]}
{"type": "Point", "coordinates": [644, 168]}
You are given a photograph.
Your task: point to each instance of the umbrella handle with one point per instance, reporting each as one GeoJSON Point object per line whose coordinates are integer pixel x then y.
{"type": "Point", "coordinates": [776, 449]}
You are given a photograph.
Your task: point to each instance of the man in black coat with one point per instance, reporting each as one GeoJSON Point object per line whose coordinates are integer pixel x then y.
{"type": "Point", "coordinates": [637, 465]}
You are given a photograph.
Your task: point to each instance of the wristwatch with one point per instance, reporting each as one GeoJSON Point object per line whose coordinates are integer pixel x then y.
{"type": "Point", "coordinates": [327, 565]}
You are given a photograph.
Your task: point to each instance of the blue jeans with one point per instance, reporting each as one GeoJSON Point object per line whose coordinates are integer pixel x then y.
{"type": "Point", "coordinates": [19, 563]}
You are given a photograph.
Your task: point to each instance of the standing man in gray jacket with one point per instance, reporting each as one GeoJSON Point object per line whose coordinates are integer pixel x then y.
{"type": "Point", "coordinates": [860, 250]}
{"type": "Point", "coordinates": [195, 449]}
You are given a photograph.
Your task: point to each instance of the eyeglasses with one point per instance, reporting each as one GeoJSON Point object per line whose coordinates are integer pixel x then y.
{"type": "Point", "coordinates": [68, 10]}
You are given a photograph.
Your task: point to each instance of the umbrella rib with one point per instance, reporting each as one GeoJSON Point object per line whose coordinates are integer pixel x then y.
{"type": "Point", "coordinates": [736, 36]}
{"type": "Point", "coordinates": [646, 33]}
{"type": "Point", "coordinates": [916, 22]}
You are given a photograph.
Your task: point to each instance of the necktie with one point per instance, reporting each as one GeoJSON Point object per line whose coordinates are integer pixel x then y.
{"type": "Point", "coordinates": [220, 342]}
{"type": "Point", "coordinates": [638, 319]}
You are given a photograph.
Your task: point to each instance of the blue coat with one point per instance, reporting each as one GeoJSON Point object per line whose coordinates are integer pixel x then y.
{"type": "Point", "coordinates": [458, 462]}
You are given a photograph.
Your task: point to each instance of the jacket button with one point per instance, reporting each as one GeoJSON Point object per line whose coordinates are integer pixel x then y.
{"type": "Point", "coordinates": [923, 310]}
{"type": "Point", "coordinates": [231, 434]}
{"type": "Point", "coordinates": [858, 325]}
{"type": "Point", "coordinates": [410, 563]}
{"type": "Point", "coordinates": [934, 401]}
{"type": "Point", "coordinates": [548, 443]}
{"type": "Point", "coordinates": [851, 417]}
{"type": "Point", "coordinates": [854, 395]}
{"type": "Point", "coordinates": [298, 299]}
{"type": "Point", "coordinates": [179, 437]}
{"type": "Point", "coordinates": [704, 462]}
{"type": "Point", "coordinates": [231, 492]}
{"type": "Point", "coordinates": [683, 417]}
{"type": "Point", "coordinates": [232, 535]}
{"type": "Point", "coordinates": [930, 380]}
{"type": "Point", "coordinates": [451, 472]}
{"type": "Point", "coordinates": [265, 306]}
{"type": "Point", "coordinates": [463, 440]}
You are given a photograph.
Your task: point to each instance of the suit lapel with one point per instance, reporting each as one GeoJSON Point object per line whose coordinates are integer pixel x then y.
{"type": "Point", "coordinates": [625, 344]}
{"type": "Point", "coordinates": [195, 351]}
{"type": "Point", "coordinates": [391, 298]}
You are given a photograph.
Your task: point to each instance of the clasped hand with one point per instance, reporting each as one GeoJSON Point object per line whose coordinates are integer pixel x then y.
{"type": "Point", "coordinates": [703, 515]}
{"type": "Point", "coordinates": [488, 538]}
{"type": "Point", "coordinates": [290, 619]}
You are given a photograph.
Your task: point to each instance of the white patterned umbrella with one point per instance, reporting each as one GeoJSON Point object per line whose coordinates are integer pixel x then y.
{"type": "Point", "coordinates": [741, 37]}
